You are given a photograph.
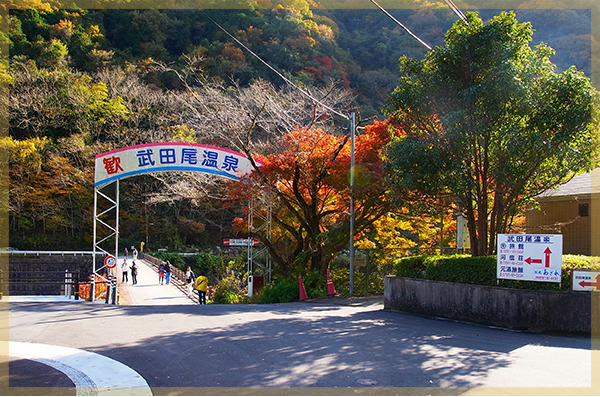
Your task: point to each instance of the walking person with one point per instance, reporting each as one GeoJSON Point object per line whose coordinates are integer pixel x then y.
{"type": "Point", "coordinates": [189, 279]}
{"type": "Point", "coordinates": [125, 271]}
{"type": "Point", "coordinates": [161, 273]}
{"type": "Point", "coordinates": [168, 272]}
{"type": "Point", "coordinates": [125, 252]}
{"type": "Point", "coordinates": [135, 253]}
{"type": "Point", "coordinates": [134, 272]}
{"type": "Point", "coordinates": [201, 286]}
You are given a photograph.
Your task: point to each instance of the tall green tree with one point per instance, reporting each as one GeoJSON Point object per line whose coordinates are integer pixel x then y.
{"type": "Point", "coordinates": [489, 122]}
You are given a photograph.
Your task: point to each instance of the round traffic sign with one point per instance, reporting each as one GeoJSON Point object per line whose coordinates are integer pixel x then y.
{"type": "Point", "coordinates": [110, 261]}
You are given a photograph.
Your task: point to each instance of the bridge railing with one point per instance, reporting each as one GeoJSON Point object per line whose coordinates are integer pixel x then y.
{"type": "Point", "coordinates": [43, 282]}
{"type": "Point", "coordinates": [176, 275]}
{"type": "Point", "coordinates": [38, 253]}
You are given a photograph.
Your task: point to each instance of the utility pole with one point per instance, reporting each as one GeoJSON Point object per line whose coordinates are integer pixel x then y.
{"type": "Point", "coordinates": [352, 133]}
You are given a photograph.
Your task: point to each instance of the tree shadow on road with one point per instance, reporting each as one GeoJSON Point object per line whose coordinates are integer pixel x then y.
{"type": "Point", "coordinates": [296, 345]}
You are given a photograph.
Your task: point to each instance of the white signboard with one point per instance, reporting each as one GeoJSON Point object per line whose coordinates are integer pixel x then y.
{"type": "Point", "coordinates": [240, 241]}
{"type": "Point", "coordinates": [585, 280]}
{"type": "Point", "coordinates": [177, 156]}
{"type": "Point", "coordinates": [532, 257]}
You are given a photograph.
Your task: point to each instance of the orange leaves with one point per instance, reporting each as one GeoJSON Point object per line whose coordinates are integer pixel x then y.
{"type": "Point", "coordinates": [310, 176]}
{"type": "Point", "coordinates": [312, 164]}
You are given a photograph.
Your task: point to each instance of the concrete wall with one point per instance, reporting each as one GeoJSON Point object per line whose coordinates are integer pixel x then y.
{"type": "Point", "coordinates": [530, 310]}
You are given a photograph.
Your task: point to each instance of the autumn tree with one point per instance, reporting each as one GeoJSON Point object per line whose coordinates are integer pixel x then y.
{"type": "Point", "coordinates": [307, 180]}
{"type": "Point", "coordinates": [489, 122]}
{"type": "Point", "coordinates": [49, 197]}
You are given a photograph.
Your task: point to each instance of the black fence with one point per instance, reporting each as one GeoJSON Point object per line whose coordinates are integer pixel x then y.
{"type": "Point", "coordinates": [44, 282]}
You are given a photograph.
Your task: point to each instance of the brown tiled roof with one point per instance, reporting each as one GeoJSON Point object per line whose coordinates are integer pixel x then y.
{"type": "Point", "coordinates": [583, 184]}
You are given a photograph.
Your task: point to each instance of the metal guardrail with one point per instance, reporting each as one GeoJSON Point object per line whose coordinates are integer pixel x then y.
{"type": "Point", "coordinates": [40, 282]}
{"type": "Point", "coordinates": [63, 253]}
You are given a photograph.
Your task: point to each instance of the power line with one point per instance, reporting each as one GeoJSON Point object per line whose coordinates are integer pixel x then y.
{"type": "Point", "coordinates": [457, 11]}
{"type": "Point", "coordinates": [290, 82]}
{"type": "Point", "coordinates": [399, 23]}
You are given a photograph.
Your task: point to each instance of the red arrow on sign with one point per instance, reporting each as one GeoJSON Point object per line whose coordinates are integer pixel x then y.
{"type": "Point", "coordinates": [590, 284]}
{"type": "Point", "coordinates": [530, 261]}
{"type": "Point", "coordinates": [547, 252]}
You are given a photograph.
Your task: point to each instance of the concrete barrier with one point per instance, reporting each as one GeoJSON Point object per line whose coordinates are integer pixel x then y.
{"type": "Point", "coordinates": [518, 309]}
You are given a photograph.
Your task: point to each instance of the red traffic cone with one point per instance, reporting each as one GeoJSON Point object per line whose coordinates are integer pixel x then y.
{"type": "Point", "coordinates": [330, 286]}
{"type": "Point", "coordinates": [303, 295]}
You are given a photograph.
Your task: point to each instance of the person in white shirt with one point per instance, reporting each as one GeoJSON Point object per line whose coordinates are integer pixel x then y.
{"type": "Point", "coordinates": [125, 270]}
{"type": "Point", "coordinates": [189, 278]}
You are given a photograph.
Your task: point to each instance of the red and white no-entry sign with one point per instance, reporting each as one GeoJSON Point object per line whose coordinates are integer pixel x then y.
{"type": "Point", "coordinates": [110, 261]}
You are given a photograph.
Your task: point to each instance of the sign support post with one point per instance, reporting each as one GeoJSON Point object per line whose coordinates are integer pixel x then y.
{"type": "Point", "coordinates": [113, 231]}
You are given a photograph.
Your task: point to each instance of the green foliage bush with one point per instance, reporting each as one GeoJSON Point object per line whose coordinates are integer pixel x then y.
{"type": "Point", "coordinates": [284, 290]}
{"type": "Point", "coordinates": [173, 258]}
{"type": "Point", "coordinates": [212, 266]}
{"type": "Point", "coordinates": [229, 290]}
{"type": "Point", "coordinates": [371, 283]}
{"type": "Point", "coordinates": [482, 270]}
{"type": "Point", "coordinates": [288, 290]}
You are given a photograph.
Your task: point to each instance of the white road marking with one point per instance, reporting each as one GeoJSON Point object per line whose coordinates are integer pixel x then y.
{"type": "Point", "coordinates": [93, 374]}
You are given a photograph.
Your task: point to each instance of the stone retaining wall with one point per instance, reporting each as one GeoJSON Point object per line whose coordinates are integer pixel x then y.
{"type": "Point", "coordinates": [529, 310]}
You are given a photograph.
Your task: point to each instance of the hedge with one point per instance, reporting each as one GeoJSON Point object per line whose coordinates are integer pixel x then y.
{"type": "Point", "coordinates": [482, 270]}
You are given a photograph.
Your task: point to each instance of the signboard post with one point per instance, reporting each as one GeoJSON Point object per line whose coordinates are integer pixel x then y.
{"type": "Point", "coordinates": [531, 257]}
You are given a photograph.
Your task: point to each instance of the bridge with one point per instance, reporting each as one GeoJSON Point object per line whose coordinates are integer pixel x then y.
{"type": "Point", "coordinates": [146, 292]}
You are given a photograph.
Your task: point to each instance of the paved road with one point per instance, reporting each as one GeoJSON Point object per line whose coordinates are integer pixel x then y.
{"type": "Point", "coordinates": [335, 343]}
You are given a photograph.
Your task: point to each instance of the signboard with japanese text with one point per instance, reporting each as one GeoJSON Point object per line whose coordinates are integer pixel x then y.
{"type": "Point", "coordinates": [176, 156]}
{"type": "Point", "coordinates": [239, 241]}
{"type": "Point", "coordinates": [532, 257]}
{"type": "Point", "coordinates": [585, 280]}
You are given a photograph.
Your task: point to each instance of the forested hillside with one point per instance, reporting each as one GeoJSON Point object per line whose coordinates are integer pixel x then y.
{"type": "Point", "coordinates": [86, 81]}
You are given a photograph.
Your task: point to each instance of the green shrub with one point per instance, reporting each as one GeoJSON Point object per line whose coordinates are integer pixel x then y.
{"type": "Point", "coordinates": [229, 290]}
{"type": "Point", "coordinates": [364, 283]}
{"type": "Point", "coordinates": [212, 266]}
{"type": "Point", "coordinates": [173, 258]}
{"type": "Point", "coordinates": [482, 270]}
{"type": "Point", "coordinates": [280, 291]}
{"type": "Point", "coordinates": [410, 266]}
{"type": "Point", "coordinates": [315, 285]}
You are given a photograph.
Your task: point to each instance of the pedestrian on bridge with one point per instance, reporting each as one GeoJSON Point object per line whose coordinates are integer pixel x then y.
{"type": "Point", "coordinates": [189, 279]}
{"type": "Point", "coordinates": [125, 271]}
{"type": "Point", "coordinates": [161, 273]}
{"type": "Point", "coordinates": [201, 286]}
{"type": "Point", "coordinates": [168, 272]}
{"type": "Point", "coordinates": [134, 272]}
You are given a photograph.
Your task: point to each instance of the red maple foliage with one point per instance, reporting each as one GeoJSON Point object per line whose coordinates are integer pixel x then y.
{"type": "Point", "coordinates": [308, 186]}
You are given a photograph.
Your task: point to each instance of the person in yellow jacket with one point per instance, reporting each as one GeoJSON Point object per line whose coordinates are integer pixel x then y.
{"type": "Point", "coordinates": [201, 285]}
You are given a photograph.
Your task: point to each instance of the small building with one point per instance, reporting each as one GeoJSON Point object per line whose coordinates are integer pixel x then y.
{"type": "Point", "coordinates": [568, 210]}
